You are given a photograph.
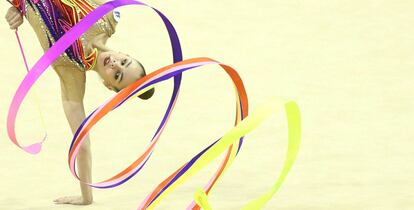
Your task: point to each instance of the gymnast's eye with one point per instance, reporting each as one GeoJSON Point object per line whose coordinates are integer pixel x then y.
{"type": "Point", "coordinates": [117, 75]}
{"type": "Point", "coordinates": [123, 62]}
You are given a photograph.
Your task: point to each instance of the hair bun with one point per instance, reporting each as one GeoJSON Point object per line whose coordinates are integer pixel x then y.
{"type": "Point", "coordinates": [148, 94]}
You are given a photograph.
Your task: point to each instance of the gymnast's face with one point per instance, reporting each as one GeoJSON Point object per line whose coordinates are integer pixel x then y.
{"type": "Point", "coordinates": [118, 70]}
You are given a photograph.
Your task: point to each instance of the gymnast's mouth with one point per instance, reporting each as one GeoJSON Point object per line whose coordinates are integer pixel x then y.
{"type": "Point", "coordinates": [106, 61]}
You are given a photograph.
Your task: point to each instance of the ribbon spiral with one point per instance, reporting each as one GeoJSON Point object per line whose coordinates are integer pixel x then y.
{"type": "Point", "coordinates": [231, 142]}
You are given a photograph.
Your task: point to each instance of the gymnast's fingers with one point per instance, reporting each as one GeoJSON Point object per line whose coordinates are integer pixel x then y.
{"type": "Point", "coordinates": [15, 26]}
{"type": "Point", "coordinates": [9, 16]}
{"type": "Point", "coordinates": [11, 13]}
{"type": "Point", "coordinates": [16, 22]}
{"type": "Point", "coordinates": [15, 17]}
{"type": "Point", "coordinates": [11, 19]}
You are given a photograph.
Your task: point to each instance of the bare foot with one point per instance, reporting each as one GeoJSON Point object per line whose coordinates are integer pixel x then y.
{"type": "Point", "coordinates": [73, 200]}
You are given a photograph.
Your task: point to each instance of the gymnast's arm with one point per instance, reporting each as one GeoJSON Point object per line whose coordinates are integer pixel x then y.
{"type": "Point", "coordinates": [73, 90]}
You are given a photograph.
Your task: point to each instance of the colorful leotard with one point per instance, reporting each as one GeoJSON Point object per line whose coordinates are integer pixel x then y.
{"type": "Point", "coordinates": [51, 19]}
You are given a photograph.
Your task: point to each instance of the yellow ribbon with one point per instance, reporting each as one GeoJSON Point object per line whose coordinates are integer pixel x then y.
{"type": "Point", "coordinates": [233, 135]}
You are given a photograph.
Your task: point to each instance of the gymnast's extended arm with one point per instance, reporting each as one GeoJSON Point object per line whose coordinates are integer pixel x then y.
{"type": "Point", "coordinates": [73, 89]}
{"type": "Point", "coordinates": [72, 83]}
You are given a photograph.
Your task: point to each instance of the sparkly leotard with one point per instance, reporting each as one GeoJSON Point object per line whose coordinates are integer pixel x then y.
{"type": "Point", "coordinates": [50, 20]}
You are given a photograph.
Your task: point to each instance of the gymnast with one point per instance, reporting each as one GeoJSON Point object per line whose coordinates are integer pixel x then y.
{"type": "Point", "coordinates": [50, 19]}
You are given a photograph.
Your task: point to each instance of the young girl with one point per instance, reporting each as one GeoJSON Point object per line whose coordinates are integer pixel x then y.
{"type": "Point", "coordinates": [50, 19]}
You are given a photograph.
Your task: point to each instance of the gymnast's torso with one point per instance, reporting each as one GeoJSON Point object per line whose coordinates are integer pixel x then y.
{"type": "Point", "coordinates": [50, 19]}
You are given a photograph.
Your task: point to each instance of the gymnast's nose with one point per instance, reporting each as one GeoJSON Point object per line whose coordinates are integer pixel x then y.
{"type": "Point", "coordinates": [117, 63]}
{"type": "Point", "coordinates": [113, 69]}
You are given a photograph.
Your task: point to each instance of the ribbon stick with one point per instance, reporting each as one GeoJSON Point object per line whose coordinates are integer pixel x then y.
{"type": "Point", "coordinates": [230, 143]}
{"type": "Point", "coordinates": [39, 110]}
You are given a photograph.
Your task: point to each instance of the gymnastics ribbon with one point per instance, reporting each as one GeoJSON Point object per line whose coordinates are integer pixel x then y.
{"type": "Point", "coordinates": [60, 46]}
{"type": "Point", "coordinates": [39, 110]}
{"type": "Point", "coordinates": [65, 42]}
{"type": "Point", "coordinates": [247, 125]}
{"type": "Point", "coordinates": [209, 153]}
{"type": "Point", "coordinates": [232, 140]}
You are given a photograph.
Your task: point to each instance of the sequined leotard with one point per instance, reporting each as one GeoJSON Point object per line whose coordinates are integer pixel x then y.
{"type": "Point", "coordinates": [50, 20]}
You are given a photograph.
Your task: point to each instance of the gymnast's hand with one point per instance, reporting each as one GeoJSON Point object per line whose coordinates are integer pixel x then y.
{"type": "Point", "coordinates": [73, 200]}
{"type": "Point", "coordinates": [14, 18]}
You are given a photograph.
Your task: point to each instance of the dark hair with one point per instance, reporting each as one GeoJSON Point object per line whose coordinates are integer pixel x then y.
{"type": "Point", "coordinates": [148, 94]}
